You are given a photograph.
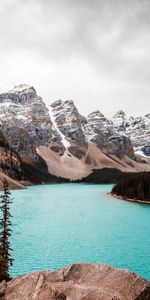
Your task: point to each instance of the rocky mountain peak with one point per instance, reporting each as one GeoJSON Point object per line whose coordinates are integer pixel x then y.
{"type": "Point", "coordinates": [23, 111]}
{"type": "Point", "coordinates": [67, 106]}
{"type": "Point", "coordinates": [101, 131]}
{"type": "Point", "coordinates": [98, 128]}
{"type": "Point", "coordinates": [21, 94]}
{"type": "Point", "coordinates": [22, 88]}
{"type": "Point", "coordinates": [147, 116]}
{"type": "Point", "coordinates": [137, 129]}
{"type": "Point", "coordinates": [68, 122]}
{"type": "Point", "coordinates": [57, 103]}
{"type": "Point", "coordinates": [120, 114]}
{"type": "Point", "coordinates": [96, 115]}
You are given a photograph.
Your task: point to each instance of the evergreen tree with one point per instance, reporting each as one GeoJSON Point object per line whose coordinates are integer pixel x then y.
{"type": "Point", "coordinates": [5, 232]}
{"type": "Point", "coordinates": [135, 186]}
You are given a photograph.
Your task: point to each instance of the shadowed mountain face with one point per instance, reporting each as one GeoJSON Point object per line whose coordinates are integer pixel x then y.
{"type": "Point", "coordinates": [70, 145]}
{"type": "Point", "coordinates": [10, 162]}
{"type": "Point", "coordinates": [78, 281]}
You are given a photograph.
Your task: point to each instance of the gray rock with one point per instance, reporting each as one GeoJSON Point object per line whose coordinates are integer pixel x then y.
{"type": "Point", "coordinates": [100, 131]}
{"type": "Point", "coordinates": [23, 111]}
{"type": "Point", "coordinates": [120, 146]}
{"type": "Point", "coordinates": [21, 141]}
{"type": "Point", "coordinates": [137, 129]}
{"type": "Point", "coordinates": [69, 122]}
{"type": "Point", "coordinates": [146, 149]}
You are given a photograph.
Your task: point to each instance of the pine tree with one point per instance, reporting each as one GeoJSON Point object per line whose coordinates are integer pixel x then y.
{"type": "Point", "coordinates": [135, 186]}
{"type": "Point", "coordinates": [5, 233]}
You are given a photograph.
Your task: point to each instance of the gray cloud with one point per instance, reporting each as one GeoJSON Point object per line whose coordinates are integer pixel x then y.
{"type": "Point", "coordinates": [111, 36]}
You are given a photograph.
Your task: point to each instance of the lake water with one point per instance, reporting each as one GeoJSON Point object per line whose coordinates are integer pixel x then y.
{"type": "Point", "coordinates": [56, 225]}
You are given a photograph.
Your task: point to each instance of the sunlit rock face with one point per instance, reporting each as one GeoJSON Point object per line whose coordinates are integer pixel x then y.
{"type": "Point", "coordinates": [137, 129]}
{"type": "Point", "coordinates": [77, 282]}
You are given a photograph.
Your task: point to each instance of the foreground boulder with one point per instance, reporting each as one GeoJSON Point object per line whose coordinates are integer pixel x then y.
{"type": "Point", "coordinates": [77, 282]}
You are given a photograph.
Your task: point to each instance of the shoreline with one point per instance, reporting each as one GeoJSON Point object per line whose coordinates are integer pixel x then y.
{"type": "Point", "coordinates": [26, 184]}
{"type": "Point", "coordinates": [129, 199]}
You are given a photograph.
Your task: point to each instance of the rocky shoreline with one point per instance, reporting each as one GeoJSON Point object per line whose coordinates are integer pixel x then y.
{"type": "Point", "coordinates": [81, 281]}
{"type": "Point", "coordinates": [130, 199]}
{"type": "Point", "coordinates": [135, 187]}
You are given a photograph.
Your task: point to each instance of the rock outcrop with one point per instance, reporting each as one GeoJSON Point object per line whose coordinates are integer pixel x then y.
{"type": "Point", "coordinates": [68, 123]}
{"type": "Point", "coordinates": [101, 132]}
{"type": "Point", "coordinates": [22, 142]}
{"type": "Point", "coordinates": [24, 112]}
{"type": "Point", "coordinates": [98, 129]}
{"type": "Point", "coordinates": [77, 282]}
{"type": "Point", "coordinates": [137, 129]}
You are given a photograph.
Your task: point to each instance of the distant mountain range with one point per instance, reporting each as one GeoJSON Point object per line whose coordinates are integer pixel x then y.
{"type": "Point", "coordinates": [58, 142]}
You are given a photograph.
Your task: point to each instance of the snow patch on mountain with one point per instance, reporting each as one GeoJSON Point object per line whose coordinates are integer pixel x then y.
{"type": "Point", "coordinates": [64, 140]}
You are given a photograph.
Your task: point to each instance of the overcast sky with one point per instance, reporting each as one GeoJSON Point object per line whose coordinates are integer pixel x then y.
{"type": "Point", "coordinates": [94, 52]}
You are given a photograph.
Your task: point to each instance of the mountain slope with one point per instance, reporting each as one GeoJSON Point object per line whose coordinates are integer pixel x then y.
{"type": "Point", "coordinates": [10, 165]}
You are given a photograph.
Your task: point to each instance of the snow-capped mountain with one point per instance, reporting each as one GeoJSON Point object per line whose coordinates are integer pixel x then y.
{"type": "Point", "coordinates": [25, 121]}
{"type": "Point", "coordinates": [137, 129]}
{"type": "Point", "coordinates": [22, 108]}
{"type": "Point", "coordinates": [60, 140]}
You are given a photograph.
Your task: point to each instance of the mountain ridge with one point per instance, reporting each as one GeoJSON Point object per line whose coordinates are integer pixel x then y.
{"type": "Point", "coordinates": [58, 138]}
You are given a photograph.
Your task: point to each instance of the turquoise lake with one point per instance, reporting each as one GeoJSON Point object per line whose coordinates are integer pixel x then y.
{"type": "Point", "coordinates": [56, 225]}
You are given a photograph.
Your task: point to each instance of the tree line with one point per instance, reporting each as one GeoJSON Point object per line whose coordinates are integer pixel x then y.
{"type": "Point", "coordinates": [135, 186]}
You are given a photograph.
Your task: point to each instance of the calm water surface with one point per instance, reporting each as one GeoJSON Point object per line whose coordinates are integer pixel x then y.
{"type": "Point", "coordinates": [56, 225]}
